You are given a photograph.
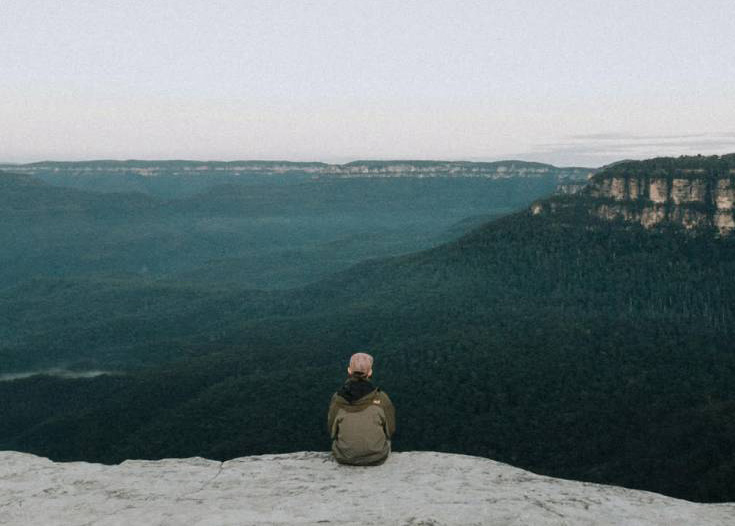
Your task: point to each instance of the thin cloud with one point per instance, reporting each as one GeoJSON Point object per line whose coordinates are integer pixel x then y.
{"type": "Point", "coordinates": [637, 137]}
{"type": "Point", "coordinates": [602, 148]}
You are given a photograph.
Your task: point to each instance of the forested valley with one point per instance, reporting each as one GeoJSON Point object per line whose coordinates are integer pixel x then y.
{"type": "Point", "coordinates": [565, 344]}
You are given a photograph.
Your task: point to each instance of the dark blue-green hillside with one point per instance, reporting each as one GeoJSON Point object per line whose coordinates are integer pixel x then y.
{"type": "Point", "coordinates": [562, 343]}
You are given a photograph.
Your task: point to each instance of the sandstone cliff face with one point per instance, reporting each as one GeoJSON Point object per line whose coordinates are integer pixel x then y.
{"type": "Point", "coordinates": [664, 191]}
{"type": "Point", "coordinates": [569, 188]}
{"type": "Point", "coordinates": [691, 202]}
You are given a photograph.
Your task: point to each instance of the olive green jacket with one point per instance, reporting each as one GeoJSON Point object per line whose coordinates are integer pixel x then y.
{"type": "Point", "coordinates": [361, 430]}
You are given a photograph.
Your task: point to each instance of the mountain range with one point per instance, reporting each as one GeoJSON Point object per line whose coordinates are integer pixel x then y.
{"type": "Point", "coordinates": [172, 179]}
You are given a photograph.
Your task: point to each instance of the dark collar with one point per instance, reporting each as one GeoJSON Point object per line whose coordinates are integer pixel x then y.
{"type": "Point", "coordinates": [355, 388]}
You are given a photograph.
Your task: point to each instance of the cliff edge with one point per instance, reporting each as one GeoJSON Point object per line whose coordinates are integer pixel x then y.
{"type": "Point", "coordinates": [691, 192]}
{"type": "Point", "coordinates": [308, 488]}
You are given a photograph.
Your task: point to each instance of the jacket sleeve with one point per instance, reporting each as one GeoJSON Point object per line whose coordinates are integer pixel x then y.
{"type": "Point", "coordinates": [390, 414]}
{"type": "Point", "coordinates": [332, 414]}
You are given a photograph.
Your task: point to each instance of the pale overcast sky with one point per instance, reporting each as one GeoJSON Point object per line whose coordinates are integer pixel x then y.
{"type": "Point", "coordinates": [580, 82]}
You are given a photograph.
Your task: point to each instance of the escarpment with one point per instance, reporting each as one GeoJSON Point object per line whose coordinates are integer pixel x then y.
{"type": "Point", "coordinates": [356, 169]}
{"type": "Point", "coordinates": [691, 192]}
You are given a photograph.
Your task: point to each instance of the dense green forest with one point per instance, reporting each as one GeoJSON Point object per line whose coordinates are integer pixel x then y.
{"type": "Point", "coordinates": [598, 354]}
{"type": "Point", "coordinates": [716, 166]}
{"type": "Point", "coordinates": [567, 345]}
{"type": "Point", "coordinates": [252, 236]}
{"type": "Point", "coordinates": [106, 280]}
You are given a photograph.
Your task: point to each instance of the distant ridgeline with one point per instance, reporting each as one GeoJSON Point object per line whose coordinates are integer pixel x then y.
{"type": "Point", "coordinates": [178, 179]}
{"type": "Point", "coordinates": [171, 179]}
{"type": "Point", "coordinates": [697, 193]}
{"type": "Point", "coordinates": [498, 169]}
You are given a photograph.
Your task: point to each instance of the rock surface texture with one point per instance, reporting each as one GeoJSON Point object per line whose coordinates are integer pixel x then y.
{"type": "Point", "coordinates": [416, 488]}
{"type": "Point", "coordinates": [691, 202]}
{"type": "Point", "coordinates": [691, 192]}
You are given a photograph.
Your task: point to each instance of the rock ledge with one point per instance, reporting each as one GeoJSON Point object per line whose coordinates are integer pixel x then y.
{"type": "Point", "coordinates": [309, 488]}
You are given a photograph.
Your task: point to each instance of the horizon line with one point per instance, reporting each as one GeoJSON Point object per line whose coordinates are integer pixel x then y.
{"type": "Point", "coordinates": [472, 160]}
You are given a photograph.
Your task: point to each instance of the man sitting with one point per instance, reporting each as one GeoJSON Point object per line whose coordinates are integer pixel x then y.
{"type": "Point", "coordinates": [361, 418]}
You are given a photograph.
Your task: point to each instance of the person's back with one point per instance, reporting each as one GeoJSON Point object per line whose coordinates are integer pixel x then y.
{"type": "Point", "coordinates": [361, 418]}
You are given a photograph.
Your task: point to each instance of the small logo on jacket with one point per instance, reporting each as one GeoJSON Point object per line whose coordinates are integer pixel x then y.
{"type": "Point", "coordinates": [376, 401]}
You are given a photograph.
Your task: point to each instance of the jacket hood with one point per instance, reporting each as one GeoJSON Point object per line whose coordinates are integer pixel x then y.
{"type": "Point", "coordinates": [355, 389]}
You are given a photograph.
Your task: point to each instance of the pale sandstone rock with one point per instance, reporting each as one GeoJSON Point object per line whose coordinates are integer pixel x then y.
{"type": "Point", "coordinates": [688, 218]}
{"type": "Point", "coordinates": [688, 191]}
{"type": "Point", "coordinates": [308, 488]}
{"type": "Point", "coordinates": [724, 194]}
{"type": "Point", "coordinates": [569, 188]}
{"type": "Point", "coordinates": [670, 200]}
{"type": "Point", "coordinates": [617, 188]}
{"type": "Point", "coordinates": [634, 188]}
{"type": "Point", "coordinates": [658, 190]}
{"type": "Point", "coordinates": [652, 216]}
{"type": "Point", "coordinates": [608, 212]}
{"type": "Point", "coordinates": [601, 188]}
{"type": "Point", "coordinates": [724, 221]}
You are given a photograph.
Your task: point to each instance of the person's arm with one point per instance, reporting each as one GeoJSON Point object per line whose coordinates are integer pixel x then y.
{"type": "Point", "coordinates": [390, 414]}
{"type": "Point", "coordinates": [332, 414]}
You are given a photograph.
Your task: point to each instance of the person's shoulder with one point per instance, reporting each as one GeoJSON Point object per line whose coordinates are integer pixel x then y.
{"type": "Point", "coordinates": [382, 395]}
